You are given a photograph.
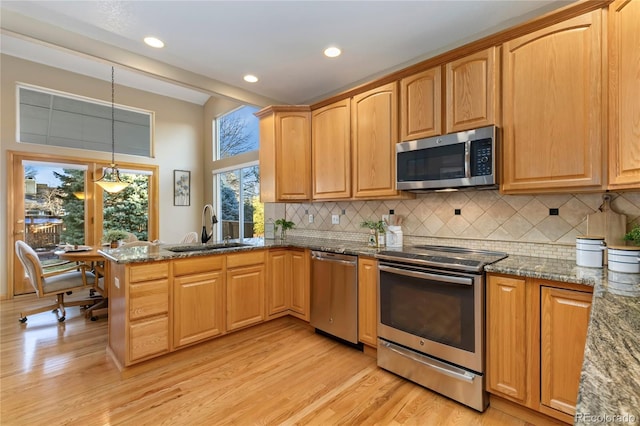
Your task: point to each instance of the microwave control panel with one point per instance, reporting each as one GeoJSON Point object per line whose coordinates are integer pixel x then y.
{"type": "Point", "coordinates": [481, 158]}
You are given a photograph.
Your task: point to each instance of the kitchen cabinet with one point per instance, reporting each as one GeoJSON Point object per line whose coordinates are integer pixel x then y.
{"type": "Point", "coordinates": [368, 301]}
{"type": "Point", "coordinates": [139, 321]}
{"type": "Point", "coordinates": [472, 91]}
{"type": "Point", "coordinates": [374, 132]}
{"type": "Point", "coordinates": [288, 283]}
{"type": "Point", "coordinates": [245, 282]}
{"type": "Point", "coordinates": [563, 334]}
{"type": "Point", "coordinates": [421, 105]}
{"type": "Point", "coordinates": [471, 97]}
{"type": "Point", "coordinates": [506, 336]}
{"type": "Point", "coordinates": [198, 299]}
{"type": "Point", "coordinates": [331, 151]}
{"type": "Point", "coordinates": [624, 92]}
{"type": "Point", "coordinates": [553, 108]}
{"type": "Point", "coordinates": [533, 357]}
{"type": "Point", "coordinates": [285, 153]}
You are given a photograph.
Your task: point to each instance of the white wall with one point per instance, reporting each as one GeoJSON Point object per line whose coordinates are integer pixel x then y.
{"type": "Point", "coordinates": [179, 142]}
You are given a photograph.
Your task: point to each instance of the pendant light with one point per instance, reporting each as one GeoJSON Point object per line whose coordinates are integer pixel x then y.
{"type": "Point", "coordinates": [112, 184]}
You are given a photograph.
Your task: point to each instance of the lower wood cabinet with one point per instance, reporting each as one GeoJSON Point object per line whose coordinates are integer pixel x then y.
{"type": "Point", "coordinates": [288, 283]}
{"type": "Point", "coordinates": [536, 334]}
{"type": "Point", "coordinates": [245, 289]}
{"type": "Point", "coordinates": [368, 301]}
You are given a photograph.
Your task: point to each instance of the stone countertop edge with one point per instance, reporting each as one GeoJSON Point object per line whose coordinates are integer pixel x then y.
{"type": "Point", "coordinates": [609, 391]}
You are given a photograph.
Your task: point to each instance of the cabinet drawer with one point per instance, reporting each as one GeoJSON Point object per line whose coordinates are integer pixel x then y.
{"type": "Point", "coordinates": [197, 265]}
{"type": "Point", "coordinates": [148, 338]}
{"type": "Point", "coordinates": [253, 257]}
{"type": "Point", "coordinates": [149, 271]}
{"type": "Point", "coordinates": [147, 299]}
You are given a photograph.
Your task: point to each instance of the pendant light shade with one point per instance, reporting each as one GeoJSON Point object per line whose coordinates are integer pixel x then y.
{"type": "Point", "coordinates": [111, 182]}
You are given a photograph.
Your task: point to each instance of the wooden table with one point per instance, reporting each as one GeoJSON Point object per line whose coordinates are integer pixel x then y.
{"type": "Point", "coordinates": [96, 263]}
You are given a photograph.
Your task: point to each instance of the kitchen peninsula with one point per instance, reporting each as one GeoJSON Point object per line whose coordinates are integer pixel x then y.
{"type": "Point", "coordinates": [145, 322]}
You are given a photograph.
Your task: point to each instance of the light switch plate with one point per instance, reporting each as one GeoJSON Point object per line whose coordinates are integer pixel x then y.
{"type": "Point", "coordinates": [335, 219]}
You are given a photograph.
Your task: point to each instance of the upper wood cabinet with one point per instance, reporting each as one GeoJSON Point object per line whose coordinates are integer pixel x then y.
{"type": "Point", "coordinates": [285, 153]}
{"type": "Point", "coordinates": [624, 95]}
{"type": "Point", "coordinates": [471, 96]}
{"type": "Point", "coordinates": [472, 91]}
{"type": "Point", "coordinates": [553, 109]}
{"type": "Point", "coordinates": [374, 130]}
{"type": "Point", "coordinates": [331, 151]}
{"type": "Point", "coordinates": [421, 105]}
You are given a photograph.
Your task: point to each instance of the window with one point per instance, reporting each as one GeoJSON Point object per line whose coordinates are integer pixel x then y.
{"type": "Point", "coordinates": [52, 118]}
{"type": "Point", "coordinates": [236, 175]}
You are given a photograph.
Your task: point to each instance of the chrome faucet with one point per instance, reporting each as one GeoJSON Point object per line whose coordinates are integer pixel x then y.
{"type": "Point", "coordinates": [212, 217]}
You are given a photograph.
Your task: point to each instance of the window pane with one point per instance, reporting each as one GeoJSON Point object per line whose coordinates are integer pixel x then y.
{"type": "Point", "coordinates": [52, 119]}
{"type": "Point", "coordinates": [54, 208]}
{"type": "Point", "coordinates": [229, 203]}
{"type": "Point", "coordinates": [237, 132]}
{"type": "Point", "coordinates": [128, 210]}
{"type": "Point", "coordinates": [253, 208]}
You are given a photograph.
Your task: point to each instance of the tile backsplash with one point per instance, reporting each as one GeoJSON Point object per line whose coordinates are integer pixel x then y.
{"type": "Point", "coordinates": [521, 224]}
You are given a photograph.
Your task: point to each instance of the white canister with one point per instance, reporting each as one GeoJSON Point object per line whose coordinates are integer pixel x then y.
{"type": "Point", "coordinates": [590, 251]}
{"type": "Point", "coordinates": [394, 236]}
{"type": "Point", "coordinates": [624, 259]}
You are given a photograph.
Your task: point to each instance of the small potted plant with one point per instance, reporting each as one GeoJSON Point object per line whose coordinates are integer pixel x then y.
{"type": "Point", "coordinates": [284, 225]}
{"type": "Point", "coordinates": [633, 236]}
{"type": "Point", "coordinates": [113, 236]}
{"type": "Point", "coordinates": [376, 232]}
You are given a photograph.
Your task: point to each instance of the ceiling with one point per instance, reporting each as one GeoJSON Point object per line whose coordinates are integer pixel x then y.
{"type": "Point", "coordinates": [211, 45]}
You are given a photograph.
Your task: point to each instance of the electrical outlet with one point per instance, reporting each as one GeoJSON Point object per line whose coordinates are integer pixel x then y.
{"type": "Point", "coordinates": [335, 219]}
{"type": "Point", "coordinates": [310, 218]}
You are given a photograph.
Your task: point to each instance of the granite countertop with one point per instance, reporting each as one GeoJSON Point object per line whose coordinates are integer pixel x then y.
{"type": "Point", "coordinates": [610, 381]}
{"type": "Point", "coordinates": [156, 252]}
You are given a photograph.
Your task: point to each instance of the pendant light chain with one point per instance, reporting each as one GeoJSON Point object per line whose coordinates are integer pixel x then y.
{"type": "Point", "coordinates": [113, 119]}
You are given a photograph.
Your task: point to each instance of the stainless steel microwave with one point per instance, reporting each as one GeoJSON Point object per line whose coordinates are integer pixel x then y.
{"type": "Point", "coordinates": [456, 160]}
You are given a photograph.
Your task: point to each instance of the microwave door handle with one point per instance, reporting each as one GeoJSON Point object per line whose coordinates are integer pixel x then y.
{"type": "Point", "coordinates": [467, 159]}
{"type": "Point", "coordinates": [425, 275]}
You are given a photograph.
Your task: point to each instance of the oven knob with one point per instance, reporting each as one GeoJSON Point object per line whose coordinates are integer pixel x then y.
{"type": "Point", "coordinates": [421, 342]}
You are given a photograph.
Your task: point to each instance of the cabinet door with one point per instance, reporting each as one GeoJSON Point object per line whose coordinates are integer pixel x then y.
{"type": "Point", "coordinates": [563, 334]}
{"type": "Point", "coordinates": [421, 105]}
{"type": "Point", "coordinates": [368, 301]}
{"type": "Point", "coordinates": [300, 283]}
{"type": "Point", "coordinates": [245, 296]}
{"type": "Point", "coordinates": [624, 95]}
{"type": "Point", "coordinates": [506, 337]}
{"type": "Point", "coordinates": [552, 121]}
{"type": "Point", "coordinates": [472, 91]}
{"type": "Point", "coordinates": [285, 153]}
{"type": "Point", "coordinates": [278, 282]}
{"type": "Point", "coordinates": [331, 151]}
{"type": "Point", "coordinates": [375, 134]}
{"type": "Point", "coordinates": [148, 338]}
{"type": "Point", "coordinates": [198, 306]}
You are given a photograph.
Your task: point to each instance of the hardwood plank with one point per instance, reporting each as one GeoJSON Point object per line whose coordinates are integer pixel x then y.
{"type": "Point", "coordinates": [279, 372]}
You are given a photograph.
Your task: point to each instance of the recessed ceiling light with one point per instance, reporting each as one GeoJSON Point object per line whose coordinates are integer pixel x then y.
{"type": "Point", "coordinates": [332, 52]}
{"type": "Point", "coordinates": [154, 42]}
{"type": "Point", "coordinates": [250, 78]}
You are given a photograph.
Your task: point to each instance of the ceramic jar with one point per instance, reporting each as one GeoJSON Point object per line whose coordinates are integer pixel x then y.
{"type": "Point", "coordinates": [624, 259]}
{"type": "Point", "coordinates": [590, 251]}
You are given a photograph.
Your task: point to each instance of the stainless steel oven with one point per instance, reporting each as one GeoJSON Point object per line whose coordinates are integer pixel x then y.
{"type": "Point", "coordinates": [431, 319]}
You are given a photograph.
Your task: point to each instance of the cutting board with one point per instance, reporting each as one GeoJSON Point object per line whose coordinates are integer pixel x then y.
{"type": "Point", "coordinates": [607, 223]}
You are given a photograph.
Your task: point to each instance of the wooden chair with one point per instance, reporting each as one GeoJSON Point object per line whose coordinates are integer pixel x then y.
{"type": "Point", "coordinates": [190, 237]}
{"type": "Point", "coordinates": [56, 282]}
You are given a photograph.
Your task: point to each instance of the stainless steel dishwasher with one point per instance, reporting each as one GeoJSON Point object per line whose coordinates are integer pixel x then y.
{"type": "Point", "coordinates": [334, 294]}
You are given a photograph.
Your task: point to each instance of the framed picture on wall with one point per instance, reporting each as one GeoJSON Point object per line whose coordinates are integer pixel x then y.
{"type": "Point", "coordinates": [181, 188]}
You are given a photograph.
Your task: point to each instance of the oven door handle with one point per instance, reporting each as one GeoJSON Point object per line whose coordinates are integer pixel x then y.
{"type": "Point", "coordinates": [446, 279]}
{"type": "Point", "coordinates": [456, 373]}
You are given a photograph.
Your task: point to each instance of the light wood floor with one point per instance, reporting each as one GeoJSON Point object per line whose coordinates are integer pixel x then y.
{"type": "Point", "coordinates": [279, 372]}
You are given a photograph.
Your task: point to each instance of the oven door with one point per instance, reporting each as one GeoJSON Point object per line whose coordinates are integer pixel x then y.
{"type": "Point", "coordinates": [435, 312]}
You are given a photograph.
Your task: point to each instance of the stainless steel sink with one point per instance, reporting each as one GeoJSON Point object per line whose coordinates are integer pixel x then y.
{"type": "Point", "coordinates": [205, 247]}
